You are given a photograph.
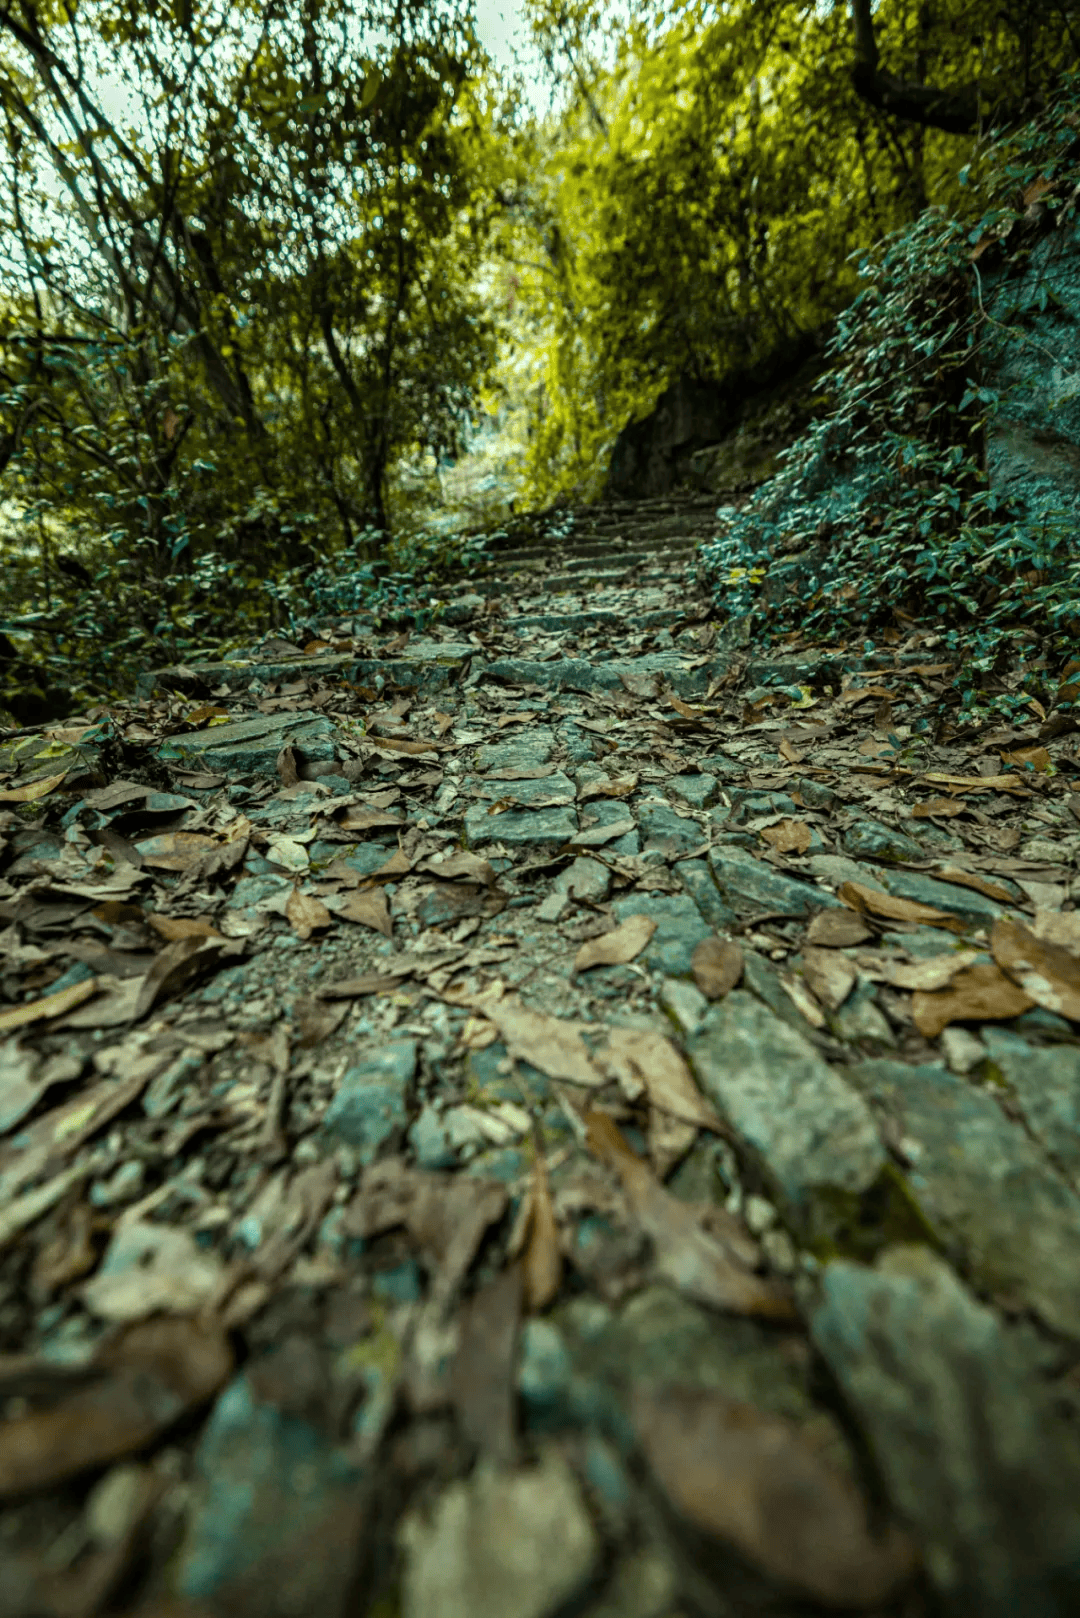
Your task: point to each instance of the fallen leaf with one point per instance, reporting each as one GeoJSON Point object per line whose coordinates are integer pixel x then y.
{"type": "Point", "coordinates": [542, 1261]}
{"type": "Point", "coordinates": [178, 965]}
{"type": "Point", "coordinates": [802, 999]}
{"type": "Point", "coordinates": [613, 786]}
{"type": "Point", "coordinates": [482, 1380]}
{"type": "Point", "coordinates": [830, 976]}
{"type": "Point", "coordinates": [52, 1005]}
{"type": "Point", "coordinates": [288, 774]}
{"type": "Point", "coordinates": [393, 744]}
{"type": "Point", "coordinates": [33, 790]}
{"type": "Point", "coordinates": [1058, 927]}
{"type": "Point", "coordinates": [175, 850]}
{"type": "Point", "coordinates": [146, 1380]}
{"type": "Point", "coordinates": [893, 908]}
{"type": "Point", "coordinates": [753, 1480]}
{"type": "Point", "coordinates": [622, 944]}
{"type": "Point", "coordinates": [788, 836]}
{"type": "Point", "coordinates": [689, 1257]}
{"type": "Point", "coordinates": [593, 836]}
{"type": "Point", "coordinates": [938, 809]}
{"type": "Point", "coordinates": [932, 972]}
{"type": "Point", "coordinates": [976, 994]}
{"type": "Point", "coordinates": [1047, 972]}
{"type": "Point", "coordinates": [148, 1268]}
{"type": "Point", "coordinates": [307, 914]}
{"type": "Point", "coordinates": [978, 884]}
{"type": "Point", "coordinates": [837, 929]}
{"type": "Point", "coordinates": [462, 866]}
{"type": "Point", "coordinates": [1030, 758]}
{"type": "Point", "coordinates": [717, 965]}
{"type": "Point", "coordinates": [367, 907]}
{"type": "Point", "coordinates": [173, 927]}
{"type": "Point", "coordinates": [684, 708]}
{"type": "Point", "coordinates": [978, 783]}
{"type": "Point", "coordinates": [645, 1061]}
{"type": "Point", "coordinates": [358, 817]}
{"type": "Point", "coordinates": [365, 983]}
{"type": "Point", "coordinates": [790, 754]}
{"type": "Point", "coordinates": [552, 1044]}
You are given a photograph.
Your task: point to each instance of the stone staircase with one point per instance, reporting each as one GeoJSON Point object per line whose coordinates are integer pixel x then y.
{"type": "Point", "coordinates": [615, 583]}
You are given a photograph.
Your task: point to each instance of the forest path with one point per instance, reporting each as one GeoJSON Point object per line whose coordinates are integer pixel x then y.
{"type": "Point", "coordinates": [505, 1120]}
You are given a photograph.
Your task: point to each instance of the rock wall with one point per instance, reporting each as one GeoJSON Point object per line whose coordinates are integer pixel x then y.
{"type": "Point", "coordinates": [679, 440]}
{"type": "Point", "coordinates": [1032, 359]}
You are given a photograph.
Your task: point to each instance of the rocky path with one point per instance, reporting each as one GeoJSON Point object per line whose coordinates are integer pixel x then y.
{"type": "Point", "coordinates": [563, 1113]}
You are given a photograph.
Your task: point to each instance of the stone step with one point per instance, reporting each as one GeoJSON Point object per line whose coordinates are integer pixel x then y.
{"type": "Point", "coordinates": [570, 558]}
{"type": "Point", "coordinates": [597, 618]}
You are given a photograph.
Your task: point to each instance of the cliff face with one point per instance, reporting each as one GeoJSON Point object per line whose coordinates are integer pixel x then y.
{"type": "Point", "coordinates": [714, 435]}
{"type": "Point", "coordinates": [1032, 361]}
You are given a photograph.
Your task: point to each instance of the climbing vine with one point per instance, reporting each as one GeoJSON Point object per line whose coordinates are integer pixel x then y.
{"type": "Point", "coordinates": [886, 510]}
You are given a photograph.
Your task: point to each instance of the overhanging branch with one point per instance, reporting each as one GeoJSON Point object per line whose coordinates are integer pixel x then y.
{"type": "Point", "coordinates": [955, 109]}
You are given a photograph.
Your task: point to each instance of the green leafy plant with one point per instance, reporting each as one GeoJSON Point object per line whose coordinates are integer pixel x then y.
{"type": "Point", "coordinates": [883, 506]}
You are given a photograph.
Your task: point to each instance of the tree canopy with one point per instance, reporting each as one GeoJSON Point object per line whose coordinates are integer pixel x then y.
{"type": "Point", "coordinates": [329, 234]}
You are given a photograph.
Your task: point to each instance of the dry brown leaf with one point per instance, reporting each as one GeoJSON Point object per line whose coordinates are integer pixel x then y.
{"type": "Point", "coordinates": [1047, 972]}
{"type": "Point", "coordinates": [150, 1377]}
{"type": "Point", "coordinates": [176, 850]}
{"type": "Point", "coordinates": [462, 866]}
{"type": "Point", "coordinates": [288, 774]}
{"type": "Point", "coordinates": [938, 809]}
{"type": "Point", "coordinates": [978, 783]}
{"type": "Point", "coordinates": [893, 908]}
{"type": "Point", "coordinates": [542, 1261]}
{"type": "Point", "coordinates": [148, 1268]}
{"type": "Point", "coordinates": [307, 914]}
{"type": "Point", "coordinates": [1030, 758]}
{"type": "Point", "coordinates": [684, 708]}
{"type": "Point", "coordinates": [1058, 927]}
{"type": "Point", "coordinates": [613, 786]}
{"type": "Point", "coordinates": [753, 1480]}
{"type": "Point", "coordinates": [643, 1060]}
{"type": "Point", "coordinates": [978, 884]}
{"type": "Point", "coordinates": [618, 946]}
{"type": "Point", "coordinates": [789, 753]}
{"type": "Point", "coordinates": [976, 994]}
{"type": "Point", "coordinates": [399, 864]}
{"type": "Point", "coordinates": [173, 927]}
{"type": "Point", "coordinates": [368, 907]}
{"type": "Point", "coordinates": [669, 1140]}
{"type": "Point", "coordinates": [33, 790]}
{"type": "Point", "coordinates": [802, 999]}
{"type": "Point", "coordinates": [830, 976]}
{"type": "Point", "coordinates": [394, 744]}
{"type": "Point", "coordinates": [932, 972]}
{"type": "Point", "coordinates": [837, 929]}
{"type": "Point", "coordinates": [365, 983]}
{"type": "Point", "coordinates": [177, 965]}
{"type": "Point", "coordinates": [50, 1005]}
{"type": "Point", "coordinates": [594, 836]}
{"type": "Point", "coordinates": [687, 1256]}
{"type": "Point", "coordinates": [359, 817]}
{"type": "Point", "coordinates": [552, 1044]}
{"type": "Point", "coordinates": [788, 836]}
{"type": "Point", "coordinates": [717, 965]}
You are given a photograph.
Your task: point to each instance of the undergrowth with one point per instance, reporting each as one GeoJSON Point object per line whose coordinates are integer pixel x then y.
{"type": "Point", "coordinates": [89, 642]}
{"type": "Point", "coordinates": [882, 513]}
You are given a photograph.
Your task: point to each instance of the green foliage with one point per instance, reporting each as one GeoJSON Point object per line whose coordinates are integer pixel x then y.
{"type": "Point", "coordinates": [696, 203]}
{"type": "Point", "coordinates": [883, 508]}
{"type": "Point", "coordinates": [218, 344]}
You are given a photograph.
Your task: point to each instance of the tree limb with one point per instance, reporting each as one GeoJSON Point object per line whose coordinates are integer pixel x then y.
{"type": "Point", "coordinates": [955, 109]}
